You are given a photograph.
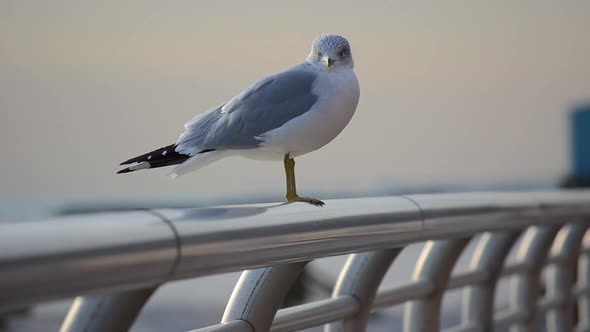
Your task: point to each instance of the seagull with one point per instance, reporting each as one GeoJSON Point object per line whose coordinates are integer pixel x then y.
{"type": "Point", "coordinates": [280, 117]}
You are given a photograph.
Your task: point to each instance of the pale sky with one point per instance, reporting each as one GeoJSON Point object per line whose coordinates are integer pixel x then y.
{"type": "Point", "coordinates": [451, 92]}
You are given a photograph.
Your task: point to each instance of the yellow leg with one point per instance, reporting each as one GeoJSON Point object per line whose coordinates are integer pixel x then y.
{"type": "Point", "coordinates": [291, 195]}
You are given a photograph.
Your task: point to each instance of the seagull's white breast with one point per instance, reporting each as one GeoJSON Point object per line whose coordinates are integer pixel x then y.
{"type": "Point", "coordinates": [338, 95]}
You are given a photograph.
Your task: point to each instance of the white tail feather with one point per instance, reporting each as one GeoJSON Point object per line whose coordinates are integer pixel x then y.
{"type": "Point", "coordinates": [196, 162]}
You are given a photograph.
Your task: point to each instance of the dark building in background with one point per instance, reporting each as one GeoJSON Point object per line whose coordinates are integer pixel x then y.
{"type": "Point", "coordinates": [580, 148]}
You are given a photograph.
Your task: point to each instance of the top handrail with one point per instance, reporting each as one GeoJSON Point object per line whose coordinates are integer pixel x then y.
{"type": "Point", "coordinates": [81, 254]}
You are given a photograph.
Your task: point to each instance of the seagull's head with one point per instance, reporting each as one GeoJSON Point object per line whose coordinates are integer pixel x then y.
{"type": "Point", "coordinates": [330, 52]}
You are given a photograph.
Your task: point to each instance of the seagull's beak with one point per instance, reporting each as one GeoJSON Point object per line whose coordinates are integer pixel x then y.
{"type": "Point", "coordinates": [329, 62]}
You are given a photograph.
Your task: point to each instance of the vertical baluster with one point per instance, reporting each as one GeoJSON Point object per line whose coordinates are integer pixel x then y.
{"type": "Point", "coordinates": [360, 278]}
{"type": "Point", "coordinates": [113, 313]}
{"type": "Point", "coordinates": [478, 303]}
{"type": "Point", "coordinates": [525, 288]}
{"type": "Point", "coordinates": [435, 265]}
{"type": "Point", "coordinates": [560, 277]}
{"type": "Point", "coordinates": [584, 285]}
{"type": "Point", "coordinates": [259, 293]}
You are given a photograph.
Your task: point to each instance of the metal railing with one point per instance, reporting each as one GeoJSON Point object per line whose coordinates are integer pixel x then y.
{"type": "Point", "coordinates": [117, 260]}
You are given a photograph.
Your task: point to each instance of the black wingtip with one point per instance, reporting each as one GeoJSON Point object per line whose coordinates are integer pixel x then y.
{"type": "Point", "coordinates": [123, 171]}
{"type": "Point", "coordinates": [165, 156]}
{"type": "Point", "coordinates": [166, 152]}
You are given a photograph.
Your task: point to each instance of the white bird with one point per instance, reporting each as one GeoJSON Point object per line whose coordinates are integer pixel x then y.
{"type": "Point", "coordinates": [283, 116]}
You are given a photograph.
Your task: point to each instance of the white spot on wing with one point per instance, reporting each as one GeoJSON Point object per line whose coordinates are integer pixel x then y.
{"type": "Point", "coordinates": [164, 153]}
{"type": "Point", "coordinates": [141, 165]}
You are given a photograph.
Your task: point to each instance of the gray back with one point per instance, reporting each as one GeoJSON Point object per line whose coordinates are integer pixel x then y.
{"type": "Point", "coordinates": [267, 105]}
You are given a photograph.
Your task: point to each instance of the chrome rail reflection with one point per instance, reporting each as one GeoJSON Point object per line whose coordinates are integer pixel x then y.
{"type": "Point", "coordinates": [116, 253]}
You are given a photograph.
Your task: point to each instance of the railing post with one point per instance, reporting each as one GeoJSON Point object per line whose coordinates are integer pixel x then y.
{"type": "Point", "coordinates": [583, 286]}
{"type": "Point", "coordinates": [560, 277]}
{"type": "Point", "coordinates": [434, 265]}
{"type": "Point", "coordinates": [259, 293]}
{"type": "Point", "coordinates": [113, 313]}
{"type": "Point", "coordinates": [525, 288]}
{"type": "Point", "coordinates": [360, 278]}
{"type": "Point", "coordinates": [478, 303]}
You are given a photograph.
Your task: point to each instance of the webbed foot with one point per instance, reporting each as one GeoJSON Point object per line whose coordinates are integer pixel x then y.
{"type": "Point", "coordinates": [308, 200]}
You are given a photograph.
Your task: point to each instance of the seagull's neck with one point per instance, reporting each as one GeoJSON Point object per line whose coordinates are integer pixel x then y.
{"type": "Point", "coordinates": [335, 69]}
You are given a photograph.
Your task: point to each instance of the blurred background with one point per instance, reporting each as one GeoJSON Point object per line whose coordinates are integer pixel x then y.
{"type": "Point", "coordinates": [454, 96]}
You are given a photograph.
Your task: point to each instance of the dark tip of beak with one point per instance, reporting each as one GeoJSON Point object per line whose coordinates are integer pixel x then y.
{"type": "Point", "coordinates": [330, 62]}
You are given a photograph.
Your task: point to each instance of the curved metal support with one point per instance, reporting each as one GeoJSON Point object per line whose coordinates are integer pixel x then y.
{"type": "Point", "coordinates": [435, 265]}
{"type": "Point", "coordinates": [525, 287]}
{"type": "Point", "coordinates": [561, 278]}
{"type": "Point", "coordinates": [259, 293]}
{"type": "Point", "coordinates": [583, 286]}
{"type": "Point", "coordinates": [233, 326]}
{"type": "Point", "coordinates": [316, 313]}
{"type": "Point", "coordinates": [361, 277]}
{"type": "Point", "coordinates": [478, 303]}
{"type": "Point", "coordinates": [114, 313]}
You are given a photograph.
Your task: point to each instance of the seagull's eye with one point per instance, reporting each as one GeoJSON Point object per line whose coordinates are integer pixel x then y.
{"type": "Point", "coordinates": [342, 54]}
{"type": "Point", "coordinates": [318, 53]}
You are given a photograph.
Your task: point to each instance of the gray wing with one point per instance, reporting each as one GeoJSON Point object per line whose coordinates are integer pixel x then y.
{"type": "Point", "coordinates": [265, 106]}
